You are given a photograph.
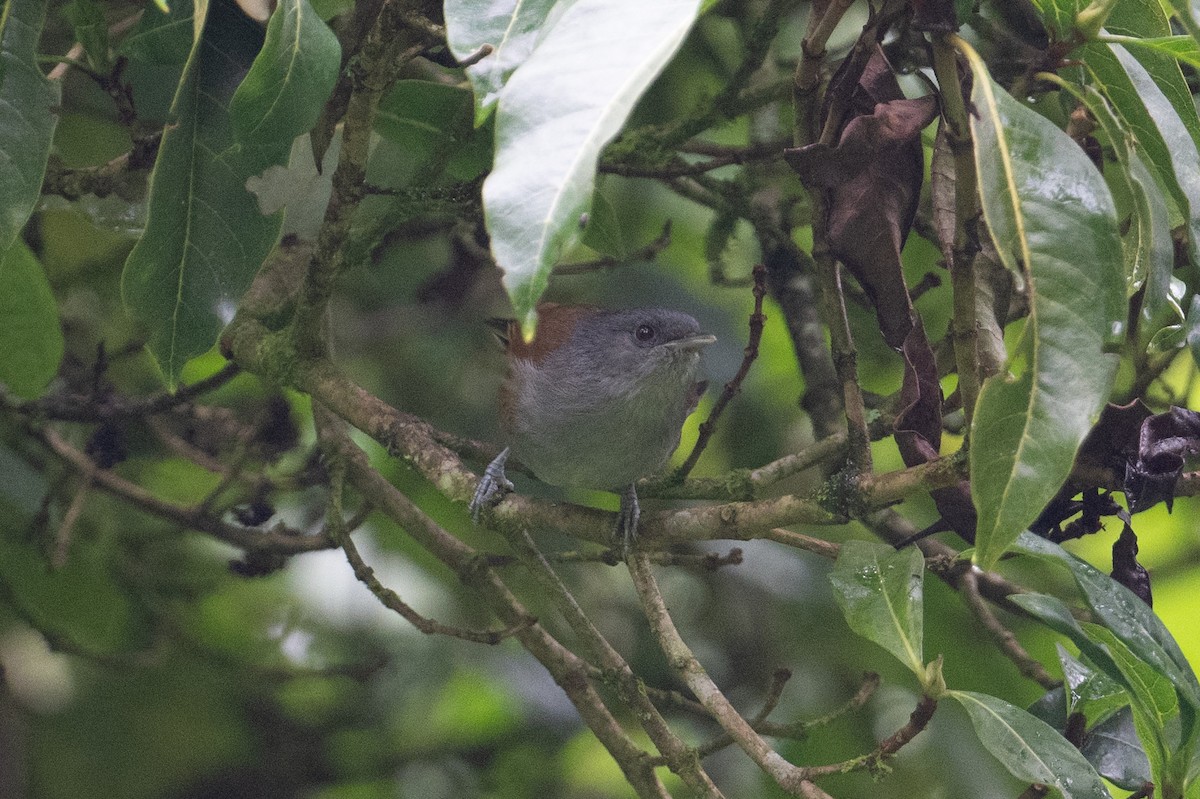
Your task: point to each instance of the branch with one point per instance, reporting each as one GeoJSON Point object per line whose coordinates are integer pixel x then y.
{"type": "Point", "coordinates": [790, 778]}
{"type": "Point", "coordinates": [568, 670]}
{"type": "Point", "coordinates": [918, 720]}
{"type": "Point", "coordinates": [336, 525]}
{"type": "Point", "coordinates": [384, 53]}
{"type": "Point", "coordinates": [279, 538]}
{"type": "Point", "coordinates": [92, 408]}
{"type": "Point", "coordinates": [1004, 637]}
{"type": "Point", "coordinates": [678, 755]}
{"type": "Point", "coordinates": [709, 425]}
{"type": "Point", "coordinates": [965, 212]}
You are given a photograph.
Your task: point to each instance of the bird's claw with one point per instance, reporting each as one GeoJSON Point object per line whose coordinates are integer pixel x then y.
{"type": "Point", "coordinates": [492, 486]}
{"type": "Point", "coordinates": [627, 520]}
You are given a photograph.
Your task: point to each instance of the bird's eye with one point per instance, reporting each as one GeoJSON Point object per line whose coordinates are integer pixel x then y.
{"type": "Point", "coordinates": [644, 333]}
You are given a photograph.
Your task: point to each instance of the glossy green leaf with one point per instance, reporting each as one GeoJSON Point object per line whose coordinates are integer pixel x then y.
{"type": "Point", "coordinates": [291, 78]}
{"type": "Point", "coordinates": [1163, 139]}
{"type": "Point", "coordinates": [27, 115]}
{"type": "Point", "coordinates": [1115, 751]}
{"type": "Point", "coordinates": [1091, 692]}
{"type": "Point", "coordinates": [880, 592]}
{"type": "Point", "coordinates": [1029, 748]}
{"type": "Point", "coordinates": [1147, 686]}
{"type": "Point", "coordinates": [513, 29]}
{"type": "Point", "coordinates": [1130, 619]}
{"type": "Point", "coordinates": [1146, 19]}
{"type": "Point", "coordinates": [1150, 250]}
{"type": "Point", "coordinates": [31, 340]}
{"type": "Point", "coordinates": [555, 114]}
{"type": "Point", "coordinates": [1053, 221]}
{"type": "Point", "coordinates": [205, 236]}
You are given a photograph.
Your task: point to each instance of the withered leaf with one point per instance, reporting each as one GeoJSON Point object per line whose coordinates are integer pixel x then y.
{"type": "Point", "coordinates": [919, 429]}
{"type": "Point", "coordinates": [1125, 567]}
{"type": "Point", "coordinates": [1165, 442]}
{"type": "Point", "coordinates": [873, 177]}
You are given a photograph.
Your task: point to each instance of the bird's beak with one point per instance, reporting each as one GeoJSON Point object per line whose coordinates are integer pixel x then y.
{"type": "Point", "coordinates": [691, 343]}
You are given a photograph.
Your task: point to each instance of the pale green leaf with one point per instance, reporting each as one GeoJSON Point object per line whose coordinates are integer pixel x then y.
{"type": "Point", "coordinates": [1053, 221]}
{"type": "Point", "coordinates": [27, 115]}
{"type": "Point", "coordinates": [512, 28]}
{"type": "Point", "coordinates": [1029, 748]}
{"type": "Point", "coordinates": [555, 114]}
{"type": "Point", "coordinates": [880, 592]}
{"type": "Point", "coordinates": [31, 340]}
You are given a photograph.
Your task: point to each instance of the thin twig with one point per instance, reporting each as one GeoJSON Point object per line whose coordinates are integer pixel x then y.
{"type": "Point", "coordinates": [678, 755]}
{"type": "Point", "coordinates": [278, 538]}
{"type": "Point", "coordinates": [66, 530]}
{"type": "Point", "coordinates": [918, 720]}
{"type": "Point", "coordinates": [678, 168]}
{"type": "Point", "coordinates": [789, 777]}
{"type": "Point", "coordinates": [90, 408]}
{"type": "Point", "coordinates": [709, 561]}
{"type": "Point", "coordinates": [646, 253]}
{"type": "Point", "coordinates": [709, 425]}
{"type": "Point", "coordinates": [569, 671]}
{"type": "Point", "coordinates": [1004, 637]}
{"type": "Point", "coordinates": [392, 601]}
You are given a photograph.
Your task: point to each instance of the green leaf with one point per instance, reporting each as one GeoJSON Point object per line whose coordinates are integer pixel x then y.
{"type": "Point", "coordinates": [1130, 619]}
{"type": "Point", "coordinates": [31, 340]}
{"type": "Point", "coordinates": [1092, 693]}
{"type": "Point", "coordinates": [162, 38]}
{"type": "Point", "coordinates": [1180, 48]}
{"type": "Point", "coordinates": [1059, 16]}
{"type": "Point", "coordinates": [1185, 12]}
{"type": "Point", "coordinates": [428, 134]}
{"type": "Point", "coordinates": [1150, 250]}
{"type": "Point", "coordinates": [555, 114]}
{"type": "Point", "coordinates": [1146, 19]}
{"type": "Point", "coordinates": [1029, 748]}
{"type": "Point", "coordinates": [1149, 689]}
{"type": "Point", "coordinates": [880, 592]}
{"type": "Point", "coordinates": [1192, 329]}
{"type": "Point", "coordinates": [1163, 138]}
{"type": "Point", "coordinates": [27, 115]}
{"type": "Point", "coordinates": [205, 236]}
{"type": "Point", "coordinates": [290, 80]}
{"type": "Point", "coordinates": [1059, 231]}
{"type": "Point", "coordinates": [1116, 752]}
{"type": "Point", "coordinates": [513, 29]}
{"type": "Point", "coordinates": [87, 20]}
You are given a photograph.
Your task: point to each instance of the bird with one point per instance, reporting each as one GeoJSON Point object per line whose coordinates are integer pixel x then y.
{"type": "Point", "coordinates": [596, 400]}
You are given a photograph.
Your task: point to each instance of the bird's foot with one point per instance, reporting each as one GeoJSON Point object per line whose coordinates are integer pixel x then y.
{"type": "Point", "coordinates": [492, 486]}
{"type": "Point", "coordinates": [627, 519]}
